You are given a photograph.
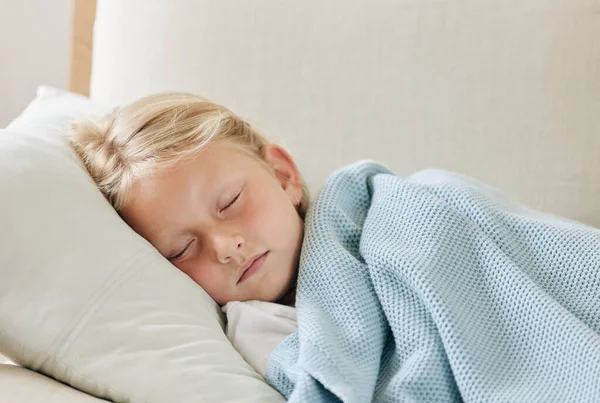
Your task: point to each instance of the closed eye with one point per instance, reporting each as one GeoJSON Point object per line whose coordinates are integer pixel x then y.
{"type": "Point", "coordinates": [232, 202]}
{"type": "Point", "coordinates": [182, 253]}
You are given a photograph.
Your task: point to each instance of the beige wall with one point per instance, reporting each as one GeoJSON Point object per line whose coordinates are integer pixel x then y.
{"type": "Point", "coordinates": [34, 50]}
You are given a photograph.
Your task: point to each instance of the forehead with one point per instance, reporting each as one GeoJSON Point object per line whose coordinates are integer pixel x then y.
{"type": "Point", "coordinates": [200, 169]}
{"type": "Point", "coordinates": [155, 200]}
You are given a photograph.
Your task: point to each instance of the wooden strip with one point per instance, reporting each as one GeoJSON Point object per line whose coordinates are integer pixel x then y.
{"type": "Point", "coordinates": [84, 13]}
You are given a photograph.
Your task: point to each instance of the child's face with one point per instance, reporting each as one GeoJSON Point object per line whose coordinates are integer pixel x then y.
{"type": "Point", "coordinates": [211, 216]}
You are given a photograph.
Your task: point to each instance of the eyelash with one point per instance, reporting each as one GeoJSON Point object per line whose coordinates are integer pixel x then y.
{"type": "Point", "coordinates": [180, 254]}
{"type": "Point", "coordinates": [232, 202]}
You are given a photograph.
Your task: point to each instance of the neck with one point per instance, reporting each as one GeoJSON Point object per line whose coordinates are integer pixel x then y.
{"type": "Point", "coordinates": [289, 298]}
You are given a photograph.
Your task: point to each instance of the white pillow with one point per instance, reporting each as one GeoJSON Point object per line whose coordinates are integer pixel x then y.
{"type": "Point", "coordinates": [86, 300]}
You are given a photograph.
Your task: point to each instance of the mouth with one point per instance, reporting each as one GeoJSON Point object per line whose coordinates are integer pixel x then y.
{"type": "Point", "coordinates": [252, 266]}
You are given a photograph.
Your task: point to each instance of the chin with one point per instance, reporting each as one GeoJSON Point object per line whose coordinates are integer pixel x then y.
{"type": "Point", "coordinates": [288, 292]}
{"type": "Point", "coordinates": [275, 287]}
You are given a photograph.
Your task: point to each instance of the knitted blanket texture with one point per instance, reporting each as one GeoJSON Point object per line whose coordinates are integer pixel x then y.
{"type": "Point", "coordinates": [439, 288]}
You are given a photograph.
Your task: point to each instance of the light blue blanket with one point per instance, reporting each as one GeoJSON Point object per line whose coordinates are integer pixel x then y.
{"type": "Point", "coordinates": [438, 288]}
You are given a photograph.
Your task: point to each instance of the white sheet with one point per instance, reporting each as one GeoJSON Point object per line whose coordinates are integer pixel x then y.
{"type": "Point", "coordinates": [255, 328]}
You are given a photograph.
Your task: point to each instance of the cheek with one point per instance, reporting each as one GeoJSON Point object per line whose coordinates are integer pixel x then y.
{"type": "Point", "coordinates": [200, 270]}
{"type": "Point", "coordinates": [267, 209]}
{"type": "Point", "coordinates": [273, 218]}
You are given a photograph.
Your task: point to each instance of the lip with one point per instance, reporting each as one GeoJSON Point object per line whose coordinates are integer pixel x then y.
{"type": "Point", "coordinates": [252, 266]}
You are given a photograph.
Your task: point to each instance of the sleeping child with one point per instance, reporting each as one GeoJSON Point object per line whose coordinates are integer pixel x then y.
{"type": "Point", "coordinates": [433, 287]}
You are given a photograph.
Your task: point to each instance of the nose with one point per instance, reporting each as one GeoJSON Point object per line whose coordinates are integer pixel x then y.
{"type": "Point", "coordinates": [227, 246]}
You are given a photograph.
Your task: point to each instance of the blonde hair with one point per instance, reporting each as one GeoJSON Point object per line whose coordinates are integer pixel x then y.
{"type": "Point", "coordinates": [154, 133]}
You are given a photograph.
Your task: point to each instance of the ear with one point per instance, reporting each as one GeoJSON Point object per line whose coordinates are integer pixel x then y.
{"type": "Point", "coordinates": [284, 168]}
